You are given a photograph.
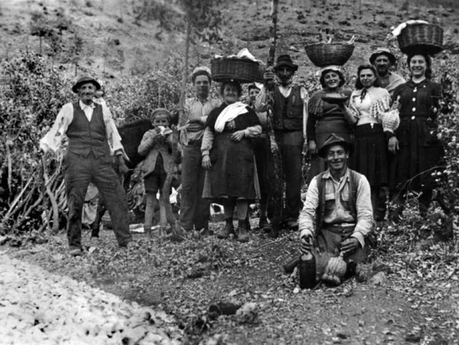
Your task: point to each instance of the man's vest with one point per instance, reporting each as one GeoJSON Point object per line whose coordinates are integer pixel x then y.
{"type": "Point", "coordinates": [288, 112]}
{"type": "Point", "coordinates": [86, 137]}
{"type": "Point", "coordinates": [354, 178]}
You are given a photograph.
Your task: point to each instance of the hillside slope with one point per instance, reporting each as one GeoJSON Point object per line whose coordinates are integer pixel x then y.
{"type": "Point", "coordinates": [117, 37]}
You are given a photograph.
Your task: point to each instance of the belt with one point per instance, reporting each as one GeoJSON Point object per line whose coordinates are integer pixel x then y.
{"type": "Point", "coordinates": [195, 142]}
{"type": "Point", "coordinates": [340, 228]}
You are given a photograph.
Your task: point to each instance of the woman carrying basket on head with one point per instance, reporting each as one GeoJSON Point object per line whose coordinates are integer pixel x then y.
{"type": "Point", "coordinates": [416, 150]}
{"type": "Point", "coordinates": [228, 156]}
{"type": "Point", "coordinates": [326, 118]}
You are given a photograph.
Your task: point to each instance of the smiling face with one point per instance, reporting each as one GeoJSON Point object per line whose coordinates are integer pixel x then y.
{"type": "Point", "coordinates": [418, 66]}
{"type": "Point", "coordinates": [336, 158]}
{"type": "Point", "coordinates": [367, 78]}
{"type": "Point", "coordinates": [201, 86]}
{"type": "Point", "coordinates": [332, 80]}
{"type": "Point", "coordinates": [86, 92]}
{"type": "Point", "coordinates": [382, 64]}
{"type": "Point", "coordinates": [284, 74]}
{"type": "Point", "coordinates": [230, 93]}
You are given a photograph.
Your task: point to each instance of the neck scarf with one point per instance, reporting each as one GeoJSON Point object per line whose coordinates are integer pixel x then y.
{"type": "Point", "coordinates": [229, 114]}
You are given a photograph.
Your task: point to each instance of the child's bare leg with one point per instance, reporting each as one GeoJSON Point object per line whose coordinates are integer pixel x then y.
{"type": "Point", "coordinates": [163, 210]}
{"type": "Point", "coordinates": [149, 212]}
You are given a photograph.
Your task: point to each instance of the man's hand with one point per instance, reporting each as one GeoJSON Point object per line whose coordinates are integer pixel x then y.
{"type": "Point", "coordinates": [305, 148]}
{"type": "Point", "coordinates": [206, 164]}
{"type": "Point", "coordinates": [312, 147]}
{"type": "Point", "coordinates": [349, 246]}
{"type": "Point", "coordinates": [306, 244]}
{"type": "Point", "coordinates": [269, 74]}
{"type": "Point", "coordinates": [121, 164]}
{"type": "Point", "coordinates": [123, 168]}
{"type": "Point", "coordinates": [393, 145]}
{"type": "Point", "coordinates": [237, 136]}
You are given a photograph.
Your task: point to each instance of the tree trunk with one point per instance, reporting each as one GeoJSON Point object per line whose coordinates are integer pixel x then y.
{"type": "Point", "coordinates": [165, 195]}
{"type": "Point", "coordinates": [277, 192]}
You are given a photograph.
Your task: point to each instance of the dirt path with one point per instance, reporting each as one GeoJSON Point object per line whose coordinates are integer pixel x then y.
{"type": "Point", "coordinates": [409, 297]}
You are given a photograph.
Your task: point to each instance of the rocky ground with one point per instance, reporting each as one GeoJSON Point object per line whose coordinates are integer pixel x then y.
{"type": "Point", "coordinates": [408, 293]}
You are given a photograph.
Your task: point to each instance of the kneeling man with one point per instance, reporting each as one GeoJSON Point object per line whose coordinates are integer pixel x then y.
{"type": "Point", "coordinates": [337, 216]}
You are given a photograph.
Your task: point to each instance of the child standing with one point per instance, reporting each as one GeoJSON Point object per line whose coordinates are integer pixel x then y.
{"type": "Point", "coordinates": [156, 145]}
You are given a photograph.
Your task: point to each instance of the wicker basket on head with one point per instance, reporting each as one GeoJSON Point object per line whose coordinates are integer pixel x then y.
{"type": "Point", "coordinates": [326, 54]}
{"type": "Point", "coordinates": [242, 70]}
{"type": "Point", "coordinates": [419, 37]}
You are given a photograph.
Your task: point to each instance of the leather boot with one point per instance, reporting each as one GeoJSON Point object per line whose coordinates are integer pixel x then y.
{"type": "Point", "coordinates": [242, 234]}
{"type": "Point", "coordinates": [227, 230]}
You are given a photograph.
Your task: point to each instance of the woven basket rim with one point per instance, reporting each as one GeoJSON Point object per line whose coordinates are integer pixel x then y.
{"type": "Point", "coordinates": [330, 44]}
{"type": "Point", "coordinates": [409, 44]}
{"type": "Point", "coordinates": [224, 59]}
{"type": "Point", "coordinates": [421, 24]}
{"type": "Point", "coordinates": [220, 73]}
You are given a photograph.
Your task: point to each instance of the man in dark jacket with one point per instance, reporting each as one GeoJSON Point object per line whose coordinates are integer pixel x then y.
{"type": "Point", "coordinates": [92, 140]}
{"type": "Point", "coordinates": [289, 118]}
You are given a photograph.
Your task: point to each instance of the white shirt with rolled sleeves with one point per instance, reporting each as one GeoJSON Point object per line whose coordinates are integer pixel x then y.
{"type": "Point", "coordinates": [52, 140]}
{"type": "Point", "coordinates": [338, 190]}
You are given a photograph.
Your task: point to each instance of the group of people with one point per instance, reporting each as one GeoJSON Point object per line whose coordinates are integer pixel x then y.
{"type": "Point", "coordinates": [382, 136]}
{"type": "Point", "coordinates": [391, 142]}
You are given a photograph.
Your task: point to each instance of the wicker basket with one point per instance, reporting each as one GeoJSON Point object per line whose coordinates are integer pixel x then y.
{"type": "Point", "coordinates": [242, 70]}
{"type": "Point", "coordinates": [326, 54]}
{"type": "Point", "coordinates": [425, 38]}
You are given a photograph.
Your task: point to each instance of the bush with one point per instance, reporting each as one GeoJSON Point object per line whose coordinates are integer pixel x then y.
{"type": "Point", "coordinates": [29, 101]}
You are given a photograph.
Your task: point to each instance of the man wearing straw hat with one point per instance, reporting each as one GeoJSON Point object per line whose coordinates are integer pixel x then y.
{"type": "Point", "coordinates": [194, 210]}
{"type": "Point", "coordinates": [289, 116]}
{"type": "Point", "coordinates": [384, 60]}
{"type": "Point", "coordinates": [92, 139]}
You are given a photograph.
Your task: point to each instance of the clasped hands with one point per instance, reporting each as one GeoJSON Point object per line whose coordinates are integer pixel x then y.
{"type": "Point", "coordinates": [348, 246]}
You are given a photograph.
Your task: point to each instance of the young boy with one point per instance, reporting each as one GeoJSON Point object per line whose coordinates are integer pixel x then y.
{"type": "Point", "coordinates": [156, 145]}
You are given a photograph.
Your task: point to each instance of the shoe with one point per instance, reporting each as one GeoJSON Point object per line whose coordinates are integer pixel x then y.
{"type": "Point", "coordinates": [206, 232]}
{"type": "Point", "coordinates": [292, 225]}
{"type": "Point", "coordinates": [267, 228]}
{"type": "Point", "coordinates": [273, 233]}
{"type": "Point", "coordinates": [262, 223]}
{"type": "Point", "coordinates": [242, 234]}
{"type": "Point", "coordinates": [126, 246]}
{"type": "Point", "coordinates": [75, 251]}
{"type": "Point", "coordinates": [227, 230]}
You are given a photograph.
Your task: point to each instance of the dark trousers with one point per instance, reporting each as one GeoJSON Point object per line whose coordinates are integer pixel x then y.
{"type": "Point", "coordinates": [194, 210]}
{"type": "Point", "coordinates": [79, 171]}
{"type": "Point", "coordinates": [291, 146]}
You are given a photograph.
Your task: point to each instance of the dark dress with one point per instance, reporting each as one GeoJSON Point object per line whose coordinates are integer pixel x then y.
{"type": "Point", "coordinates": [420, 149]}
{"type": "Point", "coordinates": [324, 119]}
{"type": "Point", "coordinates": [233, 163]}
{"type": "Point", "coordinates": [370, 155]}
